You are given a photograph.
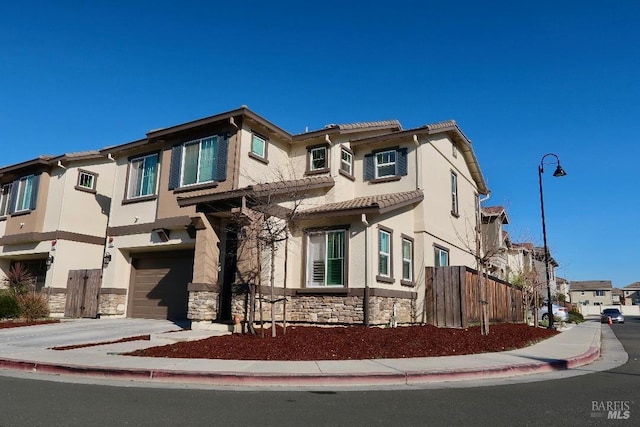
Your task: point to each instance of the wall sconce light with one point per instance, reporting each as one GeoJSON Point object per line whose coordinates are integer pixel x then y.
{"type": "Point", "coordinates": [49, 261]}
{"type": "Point", "coordinates": [53, 245]}
{"type": "Point", "coordinates": [106, 259]}
{"type": "Point", "coordinates": [110, 242]}
{"type": "Point", "coordinates": [163, 233]}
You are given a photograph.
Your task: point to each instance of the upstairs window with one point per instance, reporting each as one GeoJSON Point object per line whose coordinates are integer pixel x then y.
{"type": "Point", "coordinates": [5, 199]}
{"type": "Point", "coordinates": [143, 172]}
{"type": "Point", "coordinates": [318, 159]}
{"type": "Point", "coordinates": [454, 194]}
{"type": "Point", "coordinates": [258, 146]}
{"type": "Point", "coordinates": [326, 258]}
{"type": "Point", "coordinates": [346, 161]}
{"type": "Point", "coordinates": [198, 162]}
{"type": "Point", "coordinates": [24, 192]}
{"type": "Point", "coordinates": [385, 164]}
{"type": "Point", "coordinates": [86, 181]}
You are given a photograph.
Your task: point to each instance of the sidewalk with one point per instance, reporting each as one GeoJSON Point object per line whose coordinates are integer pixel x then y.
{"type": "Point", "coordinates": [27, 349]}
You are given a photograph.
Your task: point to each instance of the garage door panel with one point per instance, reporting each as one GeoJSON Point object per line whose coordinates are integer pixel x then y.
{"type": "Point", "coordinates": [160, 286]}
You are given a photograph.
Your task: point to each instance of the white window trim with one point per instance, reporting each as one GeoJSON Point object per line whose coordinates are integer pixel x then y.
{"type": "Point", "coordinates": [309, 267]}
{"type": "Point", "coordinates": [184, 158]}
{"type": "Point", "coordinates": [454, 193]}
{"type": "Point", "coordinates": [316, 149]}
{"type": "Point", "coordinates": [130, 181]}
{"type": "Point", "coordinates": [264, 145]}
{"type": "Point", "coordinates": [381, 165]}
{"type": "Point", "coordinates": [407, 260]}
{"type": "Point", "coordinates": [438, 251]}
{"type": "Point", "coordinates": [5, 199]}
{"type": "Point", "coordinates": [21, 202]}
{"type": "Point", "coordinates": [382, 253]}
{"type": "Point", "coordinates": [93, 180]}
{"type": "Point", "coordinates": [348, 163]}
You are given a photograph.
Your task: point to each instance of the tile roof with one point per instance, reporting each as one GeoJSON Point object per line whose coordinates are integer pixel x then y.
{"type": "Point", "coordinates": [257, 190]}
{"type": "Point", "coordinates": [493, 210]}
{"type": "Point", "coordinates": [526, 245]}
{"type": "Point", "coordinates": [590, 285]}
{"type": "Point", "coordinates": [378, 203]}
{"type": "Point", "coordinates": [366, 125]}
{"type": "Point", "coordinates": [634, 285]}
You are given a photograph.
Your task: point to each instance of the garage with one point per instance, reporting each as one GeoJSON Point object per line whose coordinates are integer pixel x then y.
{"type": "Point", "coordinates": [159, 285]}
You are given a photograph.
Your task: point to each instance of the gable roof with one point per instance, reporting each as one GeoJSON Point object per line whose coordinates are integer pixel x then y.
{"type": "Point", "coordinates": [448, 127]}
{"type": "Point", "coordinates": [590, 285]}
{"type": "Point", "coordinates": [495, 212]}
{"type": "Point", "coordinates": [379, 203]}
{"type": "Point", "coordinates": [332, 129]}
{"type": "Point", "coordinates": [633, 286]}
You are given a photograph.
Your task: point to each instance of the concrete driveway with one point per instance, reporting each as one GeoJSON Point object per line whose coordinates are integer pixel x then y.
{"type": "Point", "coordinates": [81, 331]}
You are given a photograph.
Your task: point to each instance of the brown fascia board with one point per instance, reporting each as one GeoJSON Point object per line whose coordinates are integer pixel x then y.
{"type": "Point", "coordinates": [74, 157]}
{"type": "Point", "coordinates": [222, 117]}
{"type": "Point", "coordinates": [452, 130]}
{"type": "Point", "coordinates": [337, 130]}
{"type": "Point", "coordinates": [116, 149]}
{"type": "Point", "coordinates": [29, 164]}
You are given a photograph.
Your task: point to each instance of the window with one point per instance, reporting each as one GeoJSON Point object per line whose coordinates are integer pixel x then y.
{"type": "Point", "coordinates": [258, 147]}
{"type": "Point", "coordinates": [143, 172]}
{"type": "Point", "coordinates": [25, 194]}
{"type": "Point", "coordinates": [86, 181]}
{"type": "Point", "coordinates": [454, 194]}
{"type": "Point", "coordinates": [346, 161]}
{"type": "Point", "coordinates": [598, 293]}
{"type": "Point", "coordinates": [199, 161]}
{"type": "Point", "coordinates": [384, 165]}
{"type": "Point", "coordinates": [318, 160]}
{"type": "Point", "coordinates": [326, 258]}
{"type": "Point", "coordinates": [384, 253]}
{"type": "Point", "coordinates": [5, 199]}
{"type": "Point", "coordinates": [442, 257]}
{"type": "Point", "coordinates": [407, 259]}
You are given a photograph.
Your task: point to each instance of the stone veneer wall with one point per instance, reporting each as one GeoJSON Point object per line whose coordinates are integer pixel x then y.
{"type": "Point", "coordinates": [57, 302]}
{"type": "Point", "coordinates": [112, 304]}
{"type": "Point", "coordinates": [203, 305]}
{"type": "Point", "coordinates": [332, 309]}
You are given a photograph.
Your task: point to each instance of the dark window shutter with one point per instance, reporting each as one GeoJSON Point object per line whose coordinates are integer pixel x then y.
{"type": "Point", "coordinates": [14, 196]}
{"type": "Point", "coordinates": [369, 167]}
{"type": "Point", "coordinates": [223, 150]}
{"type": "Point", "coordinates": [35, 184]}
{"type": "Point", "coordinates": [401, 158]}
{"type": "Point", "coordinates": [176, 165]}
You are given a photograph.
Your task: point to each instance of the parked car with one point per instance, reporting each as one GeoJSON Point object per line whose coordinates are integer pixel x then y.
{"type": "Point", "coordinates": [559, 312]}
{"type": "Point", "coordinates": [613, 313]}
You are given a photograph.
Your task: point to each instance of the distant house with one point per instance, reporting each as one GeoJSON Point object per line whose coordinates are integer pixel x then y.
{"type": "Point", "coordinates": [495, 239]}
{"type": "Point", "coordinates": [617, 296]}
{"type": "Point", "coordinates": [591, 292]}
{"type": "Point", "coordinates": [562, 287]}
{"type": "Point", "coordinates": [631, 294]}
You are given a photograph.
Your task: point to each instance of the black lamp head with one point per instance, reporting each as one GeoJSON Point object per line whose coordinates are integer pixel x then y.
{"type": "Point", "coordinates": [559, 171]}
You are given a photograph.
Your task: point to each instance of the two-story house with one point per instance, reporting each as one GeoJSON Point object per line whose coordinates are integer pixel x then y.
{"type": "Point", "coordinates": [631, 294]}
{"type": "Point", "coordinates": [53, 220]}
{"type": "Point", "coordinates": [591, 292]}
{"type": "Point", "coordinates": [495, 240]}
{"type": "Point", "coordinates": [366, 207]}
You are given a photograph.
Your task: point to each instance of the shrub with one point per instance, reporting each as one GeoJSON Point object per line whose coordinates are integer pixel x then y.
{"type": "Point", "coordinates": [33, 306]}
{"type": "Point", "coordinates": [575, 317]}
{"type": "Point", "coordinates": [9, 308]}
{"type": "Point", "coordinates": [19, 279]}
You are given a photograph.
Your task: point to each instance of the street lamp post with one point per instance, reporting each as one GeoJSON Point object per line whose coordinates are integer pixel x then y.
{"type": "Point", "coordinates": [558, 172]}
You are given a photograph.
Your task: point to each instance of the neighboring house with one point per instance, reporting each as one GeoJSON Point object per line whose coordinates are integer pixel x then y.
{"type": "Point", "coordinates": [370, 205]}
{"type": "Point", "coordinates": [563, 287]}
{"type": "Point", "coordinates": [631, 294]}
{"type": "Point", "coordinates": [495, 240]}
{"type": "Point", "coordinates": [53, 219]}
{"type": "Point", "coordinates": [592, 292]}
{"type": "Point", "coordinates": [540, 269]}
{"type": "Point", "coordinates": [617, 296]}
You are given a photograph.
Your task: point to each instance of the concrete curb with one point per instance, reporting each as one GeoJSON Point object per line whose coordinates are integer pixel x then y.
{"type": "Point", "coordinates": [304, 379]}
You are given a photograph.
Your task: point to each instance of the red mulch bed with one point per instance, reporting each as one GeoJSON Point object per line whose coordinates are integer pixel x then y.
{"type": "Point", "coordinates": [354, 342]}
{"type": "Point", "coordinates": [19, 323]}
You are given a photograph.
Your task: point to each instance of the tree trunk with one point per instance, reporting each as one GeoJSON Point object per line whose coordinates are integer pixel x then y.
{"type": "Point", "coordinates": [272, 285]}
{"type": "Point", "coordinates": [284, 302]}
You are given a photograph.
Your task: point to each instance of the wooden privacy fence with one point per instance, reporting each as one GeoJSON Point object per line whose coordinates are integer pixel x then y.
{"type": "Point", "coordinates": [452, 298]}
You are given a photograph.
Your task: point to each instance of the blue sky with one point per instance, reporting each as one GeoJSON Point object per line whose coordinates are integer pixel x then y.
{"type": "Point", "coordinates": [521, 80]}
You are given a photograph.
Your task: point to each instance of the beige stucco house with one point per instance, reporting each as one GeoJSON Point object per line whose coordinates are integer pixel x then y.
{"type": "Point", "coordinates": [366, 207]}
{"type": "Point", "coordinates": [631, 294]}
{"type": "Point", "coordinates": [591, 292]}
{"type": "Point", "coordinates": [495, 240]}
{"type": "Point", "coordinates": [53, 219]}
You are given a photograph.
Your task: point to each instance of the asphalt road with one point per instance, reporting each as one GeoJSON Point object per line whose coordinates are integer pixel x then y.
{"type": "Point", "coordinates": [564, 401]}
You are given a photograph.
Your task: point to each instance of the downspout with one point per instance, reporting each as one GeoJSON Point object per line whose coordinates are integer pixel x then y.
{"type": "Point", "coordinates": [365, 302]}
{"type": "Point", "coordinates": [417, 143]}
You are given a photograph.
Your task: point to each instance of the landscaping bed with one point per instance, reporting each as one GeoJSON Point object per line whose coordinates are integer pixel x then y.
{"type": "Point", "coordinates": [354, 342]}
{"type": "Point", "coordinates": [19, 323]}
